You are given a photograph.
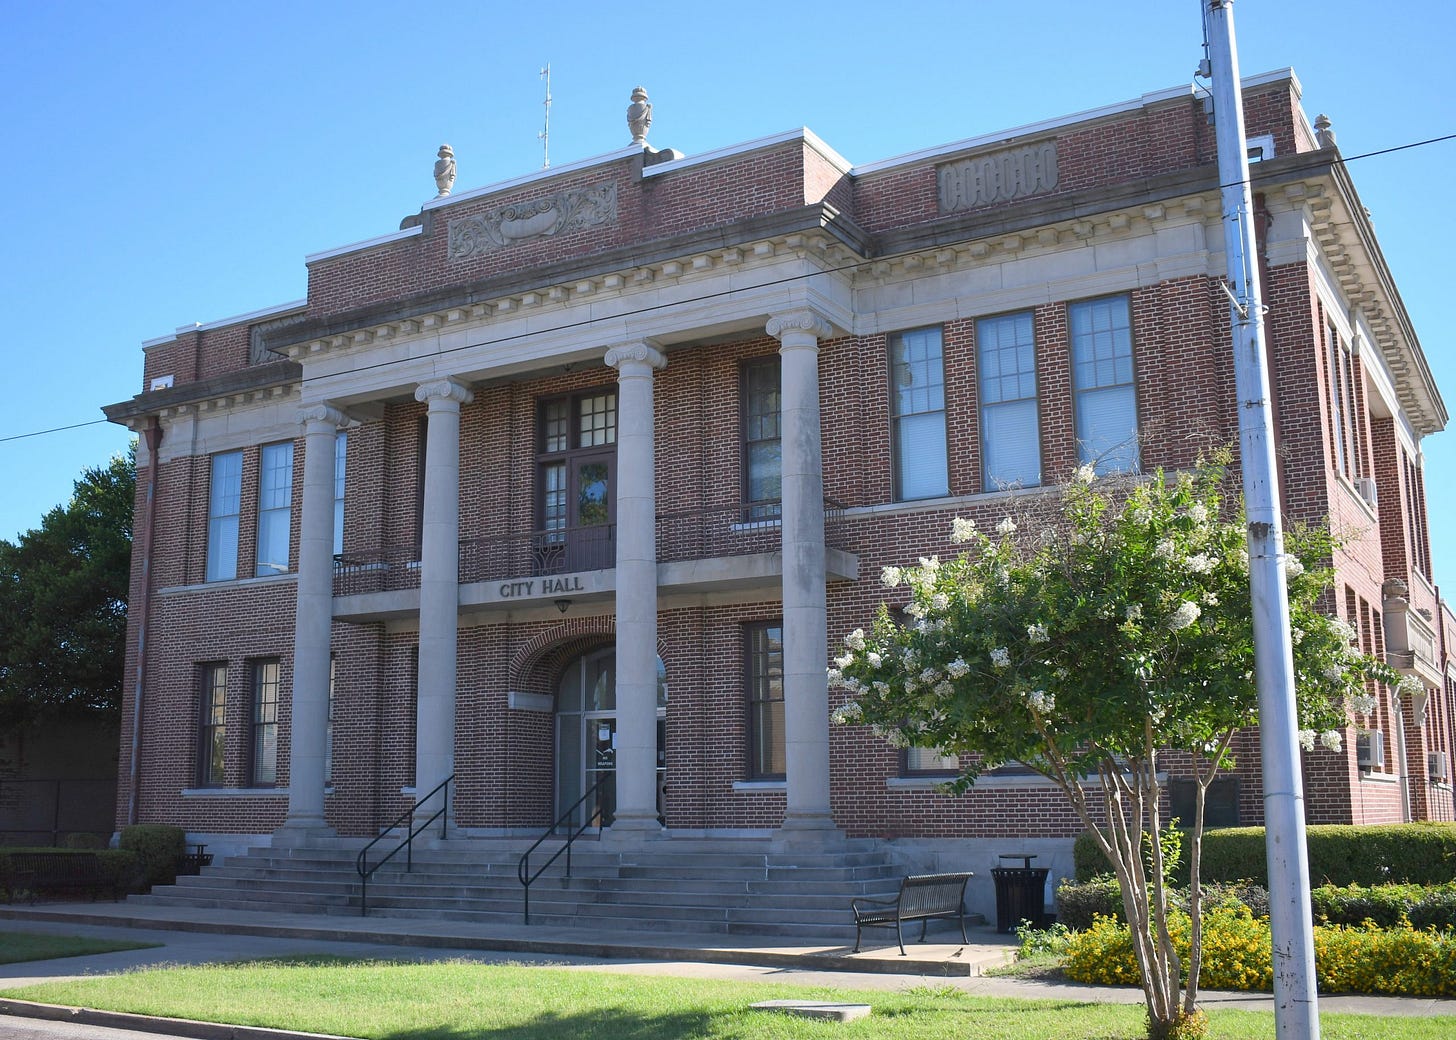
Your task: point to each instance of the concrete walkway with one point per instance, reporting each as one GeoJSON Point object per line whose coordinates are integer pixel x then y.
{"type": "Point", "coordinates": [194, 936]}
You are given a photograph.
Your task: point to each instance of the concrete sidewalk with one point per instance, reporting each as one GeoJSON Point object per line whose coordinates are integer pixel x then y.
{"type": "Point", "coordinates": [194, 936]}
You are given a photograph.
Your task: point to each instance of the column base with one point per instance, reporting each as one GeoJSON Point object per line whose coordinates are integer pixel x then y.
{"type": "Point", "coordinates": [303, 832]}
{"type": "Point", "coordinates": [633, 830]}
{"type": "Point", "coordinates": [807, 830]}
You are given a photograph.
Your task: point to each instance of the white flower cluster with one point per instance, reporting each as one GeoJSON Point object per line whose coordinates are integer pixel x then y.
{"type": "Point", "coordinates": [1187, 613]}
{"type": "Point", "coordinates": [1165, 549]}
{"type": "Point", "coordinates": [1041, 701]}
{"type": "Point", "coordinates": [1141, 515]}
{"type": "Point", "coordinates": [855, 640]}
{"type": "Point", "coordinates": [1037, 634]}
{"type": "Point", "coordinates": [1331, 739]}
{"type": "Point", "coordinates": [1201, 563]}
{"type": "Point", "coordinates": [1000, 657]}
{"type": "Point", "coordinates": [1410, 686]}
{"type": "Point", "coordinates": [1007, 527]}
{"type": "Point", "coordinates": [874, 659]}
{"type": "Point", "coordinates": [1198, 513]}
{"type": "Point", "coordinates": [890, 577]}
{"type": "Point", "coordinates": [848, 713]}
{"type": "Point", "coordinates": [1134, 611]}
{"type": "Point", "coordinates": [962, 530]}
{"type": "Point", "coordinates": [1084, 474]}
{"type": "Point", "coordinates": [1293, 568]}
{"type": "Point", "coordinates": [957, 668]}
{"type": "Point", "coordinates": [1363, 703]}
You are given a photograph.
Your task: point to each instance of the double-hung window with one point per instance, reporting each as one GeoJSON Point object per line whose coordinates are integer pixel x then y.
{"type": "Point", "coordinates": [263, 761]}
{"type": "Point", "coordinates": [917, 408]}
{"type": "Point", "coordinates": [576, 461]}
{"type": "Point", "coordinates": [765, 667]}
{"type": "Point", "coordinates": [1006, 376]}
{"type": "Point", "coordinates": [1104, 399]}
{"type": "Point", "coordinates": [212, 725]}
{"type": "Point", "coordinates": [762, 447]}
{"type": "Point", "coordinates": [275, 508]}
{"type": "Point", "coordinates": [1345, 422]}
{"type": "Point", "coordinates": [224, 503]}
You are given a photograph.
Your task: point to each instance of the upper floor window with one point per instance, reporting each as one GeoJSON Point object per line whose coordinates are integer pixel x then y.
{"type": "Point", "coordinates": [263, 760]}
{"type": "Point", "coordinates": [275, 508]}
{"type": "Point", "coordinates": [224, 503]}
{"type": "Point", "coordinates": [212, 725]}
{"type": "Point", "coordinates": [1415, 511]}
{"type": "Point", "coordinates": [576, 461]}
{"type": "Point", "coordinates": [1010, 427]}
{"type": "Point", "coordinates": [917, 414]}
{"type": "Point", "coordinates": [1345, 425]}
{"type": "Point", "coordinates": [764, 657]}
{"type": "Point", "coordinates": [762, 448]}
{"type": "Point", "coordinates": [1104, 400]}
{"type": "Point", "coordinates": [341, 454]}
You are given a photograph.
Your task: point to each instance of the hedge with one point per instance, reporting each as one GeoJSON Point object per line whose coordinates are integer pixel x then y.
{"type": "Point", "coordinates": [160, 847]}
{"type": "Point", "coordinates": [1339, 854]}
{"type": "Point", "coordinates": [1079, 903]}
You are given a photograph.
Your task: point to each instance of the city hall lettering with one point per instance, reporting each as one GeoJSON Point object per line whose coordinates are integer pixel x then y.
{"type": "Point", "coordinates": [549, 586]}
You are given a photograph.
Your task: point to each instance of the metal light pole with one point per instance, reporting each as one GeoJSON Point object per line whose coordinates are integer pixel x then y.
{"type": "Point", "coordinates": [1295, 1011]}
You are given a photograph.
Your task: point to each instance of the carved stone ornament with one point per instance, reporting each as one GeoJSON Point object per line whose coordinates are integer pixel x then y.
{"type": "Point", "coordinates": [519, 222]}
{"type": "Point", "coordinates": [258, 354]}
{"type": "Point", "coordinates": [799, 321]}
{"type": "Point", "coordinates": [447, 389]}
{"type": "Point", "coordinates": [626, 352]}
{"type": "Point", "coordinates": [639, 116]}
{"type": "Point", "coordinates": [1014, 173]}
{"type": "Point", "coordinates": [322, 413]}
{"type": "Point", "coordinates": [444, 170]}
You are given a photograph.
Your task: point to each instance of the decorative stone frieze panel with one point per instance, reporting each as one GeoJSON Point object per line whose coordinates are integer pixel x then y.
{"type": "Point", "coordinates": [258, 354]}
{"type": "Point", "coordinates": [1014, 173]}
{"type": "Point", "coordinates": [556, 214]}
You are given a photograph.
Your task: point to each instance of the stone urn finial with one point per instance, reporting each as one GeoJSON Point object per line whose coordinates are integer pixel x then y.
{"type": "Point", "coordinates": [445, 170]}
{"type": "Point", "coordinates": [1324, 136]}
{"type": "Point", "coordinates": [639, 116]}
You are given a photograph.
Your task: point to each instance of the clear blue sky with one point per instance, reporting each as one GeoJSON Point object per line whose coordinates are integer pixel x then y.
{"type": "Point", "coordinates": [166, 163]}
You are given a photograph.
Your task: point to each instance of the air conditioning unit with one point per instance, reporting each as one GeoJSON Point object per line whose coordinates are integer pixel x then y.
{"type": "Point", "coordinates": [1370, 749]}
{"type": "Point", "coordinates": [1365, 487]}
{"type": "Point", "coordinates": [1437, 766]}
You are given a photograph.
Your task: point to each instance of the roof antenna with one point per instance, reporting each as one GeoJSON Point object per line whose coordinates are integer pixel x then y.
{"type": "Point", "coordinates": [545, 134]}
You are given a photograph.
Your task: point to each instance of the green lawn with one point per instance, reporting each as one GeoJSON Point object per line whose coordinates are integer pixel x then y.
{"type": "Point", "coordinates": [453, 1000]}
{"type": "Point", "coordinates": [27, 946]}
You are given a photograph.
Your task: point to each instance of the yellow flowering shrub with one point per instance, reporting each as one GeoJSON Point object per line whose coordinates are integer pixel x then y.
{"type": "Point", "coordinates": [1236, 955]}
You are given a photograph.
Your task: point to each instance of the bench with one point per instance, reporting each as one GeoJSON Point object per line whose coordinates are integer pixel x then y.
{"type": "Point", "coordinates": [51, 871]}
{"type": "Point", "coordinates": [923, 898]}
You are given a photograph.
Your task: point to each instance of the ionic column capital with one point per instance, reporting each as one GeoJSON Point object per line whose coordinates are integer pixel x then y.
{"type": "Point", "coordinates": [444, 389]}
{"type": "Point", "coordinates": [626, 353]}
{"type": "Point", "coordinates": [323, 413]}
{"type": "Point", "coordinates": [804, 321]}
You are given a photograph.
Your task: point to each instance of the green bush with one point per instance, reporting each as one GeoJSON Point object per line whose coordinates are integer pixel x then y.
{"type": "Point", "coordinates": [1387, 905]}
{"type": "Point", "coordinates": [118, 866]}
{"type": "Point", "coordinates": [1080, 902]}
{"type": "Point", "coordinates": [160, 847]}
{"type": "Point", "coordinates": [1412, 853]}
{"type": "Point", "coordinates": [82, 840]}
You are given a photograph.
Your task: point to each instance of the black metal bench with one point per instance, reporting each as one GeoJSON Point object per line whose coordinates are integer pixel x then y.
{"type": "Point", "coordinates": [923, 898]}
{"type": "Point", "coordinates": [52, 871]}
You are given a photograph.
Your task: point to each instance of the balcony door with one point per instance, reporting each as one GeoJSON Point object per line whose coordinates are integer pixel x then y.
{"type": "Point", "coordinates": [576, 483]}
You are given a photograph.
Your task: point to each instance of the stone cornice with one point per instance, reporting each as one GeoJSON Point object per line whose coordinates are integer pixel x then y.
{"type": "Point", "coordinates": [255, 383]}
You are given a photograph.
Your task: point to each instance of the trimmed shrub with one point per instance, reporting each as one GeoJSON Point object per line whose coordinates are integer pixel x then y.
{"type": "Point", "coordinates": [1413, 853]}
{"type": "Point", "coordinates": [1386, 905]}
{"type": "Point", "coordinates": [82, 840]}
{"type": "Point", "coordinates": [1080, 903]}
{"type": "Point", "coordinates": [160, 847]}
{"type": "Point", "coordinates": [1236, 955]}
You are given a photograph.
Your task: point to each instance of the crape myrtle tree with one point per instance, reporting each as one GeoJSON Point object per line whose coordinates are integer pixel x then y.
{"type": "Point", "coordinates": [1116, 632]}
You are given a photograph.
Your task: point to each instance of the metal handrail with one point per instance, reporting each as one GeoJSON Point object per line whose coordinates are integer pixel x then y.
{"type": "Point", "coordinates": [523, 867]}
{"type": "Point", "coordinates": [362, 863]}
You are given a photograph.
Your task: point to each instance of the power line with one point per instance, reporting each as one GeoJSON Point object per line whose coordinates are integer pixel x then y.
{"type": "Point", "coordinates": [1313, 164]}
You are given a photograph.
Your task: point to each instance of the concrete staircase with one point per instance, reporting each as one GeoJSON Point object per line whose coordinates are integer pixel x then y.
{"type": "Point", "coordinates": [698, 886]}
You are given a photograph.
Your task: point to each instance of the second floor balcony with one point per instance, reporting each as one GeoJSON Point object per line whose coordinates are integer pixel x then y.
{"type": "Point", "coordinates": [720, 548]}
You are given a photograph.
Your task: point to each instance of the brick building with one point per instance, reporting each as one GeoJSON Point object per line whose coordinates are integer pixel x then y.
{"type": "Point", "coordinates": [583, 474]}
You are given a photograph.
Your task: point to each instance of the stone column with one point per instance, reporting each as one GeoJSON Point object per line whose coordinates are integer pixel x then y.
{"type": "Point", "coordinates": [806, 687]}
{"type": "Point", "coordinates": [636, 815]}
{"type": "Point", "coordinates": [439, 589]}
{"type": "Point", "coordinates": [312, 626]}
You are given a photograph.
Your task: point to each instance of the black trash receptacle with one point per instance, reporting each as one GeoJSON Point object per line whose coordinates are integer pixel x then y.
{"type": "Point", "coordinates": [1019, 894]}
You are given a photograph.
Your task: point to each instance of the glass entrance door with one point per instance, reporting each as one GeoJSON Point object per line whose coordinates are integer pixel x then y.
{"type": "Point", "coordinates": [586, 738]}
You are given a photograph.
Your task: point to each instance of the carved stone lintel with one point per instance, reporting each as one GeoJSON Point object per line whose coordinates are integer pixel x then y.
{"type": "Point", "coordinates": [635, 351]}
{"type": "Point", "coordinates": [555, 214]}
{"type": "Point", "coordinates": [324, 413]}
{"type": "Point", "coordinates": [798, 321]}
{"type": "Point", "coordinates": [447, 389]}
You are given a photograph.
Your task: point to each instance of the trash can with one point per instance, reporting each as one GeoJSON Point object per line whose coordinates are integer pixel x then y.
{"type": "Point", "coordinates": [1019, 894]}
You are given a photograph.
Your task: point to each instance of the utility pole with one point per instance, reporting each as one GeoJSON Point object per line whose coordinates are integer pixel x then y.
{"type": "Point", "coordinates": [545, 134]}
{"type": "Point", "coordinates": [1296, 1016]}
